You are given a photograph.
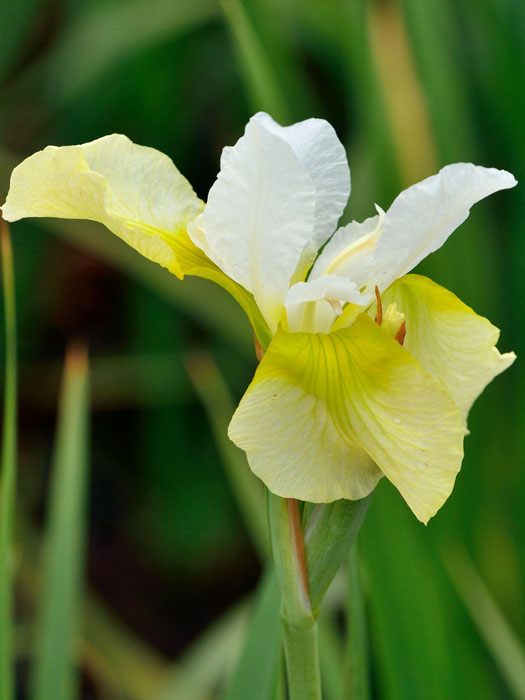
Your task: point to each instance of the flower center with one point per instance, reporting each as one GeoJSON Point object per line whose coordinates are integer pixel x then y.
{"type": "Point", "coordinates": [392, 320]}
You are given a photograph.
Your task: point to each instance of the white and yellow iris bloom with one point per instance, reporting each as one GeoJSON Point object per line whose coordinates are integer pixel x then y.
{"type": "Point", "coordinates": [346, 392]}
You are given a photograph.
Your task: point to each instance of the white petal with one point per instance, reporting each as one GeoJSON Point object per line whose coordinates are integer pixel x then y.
{"type": "Point", "coordinates": [350, 252]}
{"type": "Point", "coordinates": [259, 217]}
{"type": "Point", "coordinates": [317, 146]}
{"type": "Point", "coordinates": [313, 306]}
{"type": "Point", "coordinates": [423, 216]}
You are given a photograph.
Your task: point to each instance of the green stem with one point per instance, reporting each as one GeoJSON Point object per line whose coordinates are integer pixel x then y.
{"type": "Point", "coordinates": [302, 661]}
{"type": "Point", "coordinates": [298, 624]}
{"type": "Point", "coordinates": [7, 471]}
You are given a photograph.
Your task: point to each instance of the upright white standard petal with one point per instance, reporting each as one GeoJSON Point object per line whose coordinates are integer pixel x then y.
{"type": "Point", "coordinates": [350, 254]}
{"type": "Point", "coordinates": [317, 146]}
{"type": "Point", "coordinates": [423, 216]}
{"type": "Point", "coordinates": [276, 199]}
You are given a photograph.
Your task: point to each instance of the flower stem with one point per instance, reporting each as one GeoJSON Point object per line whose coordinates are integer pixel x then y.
{"type": "Point", "coordinates": [302, 661]}
{"type": "Point", "coordinates": [298, 624]}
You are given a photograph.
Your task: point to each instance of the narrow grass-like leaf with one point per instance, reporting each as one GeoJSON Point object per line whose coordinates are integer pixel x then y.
{"type": "Point", "coordinates": [441, 80]}
{"type": "Point", "coordinates": [117, 381]}
{"type": "Point", "coordinates": [445, 90]}
{"type": "Point", "coordinates": [257, 673]}
{"type": "Point", "coordinates": [8, 470]}
{"type": "Point", "coordinates": [260, 76]}
{"type": "Point", "coordinates": [400, 86]}
{"type": "Point", "coordinates": [142, 23]}
{"type": "Point", "coordinates": [112, 654]}
{"type": "Point", "coordinates": [54, 674]}
{"type": "Point", "coordinates": [120, 660]}
{"type": "Point", "coordinates": [275, 22]}
{"type": "Point", "coordinates": [502, 642]}
{"type": "Point", "coordinates": [364, 94]}
{"type": "Point", "coordinates": [206, 664]}
{"type": "Point", "coordinates": [17, 16]}
{"type": "Point", "coordinates": [356, 678]}
{"type": "Point", "coordinates": [413, 626]}
{"type": "Point", "coordinates": [219, 406]}
{"type": "Point", "coordinates": [330, 657]}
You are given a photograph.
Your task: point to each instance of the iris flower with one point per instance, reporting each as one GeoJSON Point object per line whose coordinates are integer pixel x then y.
{"type": "Point", "coordinates": [366, 371]}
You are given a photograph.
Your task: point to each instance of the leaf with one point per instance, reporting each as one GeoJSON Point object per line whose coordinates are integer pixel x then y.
{"type": "Point", "coordinates": [219, 406]}
{"type": "Point", "coordinates": [208, 660]}
{"type": "Point", "coordinates": [140, 22]}
{"type": "Point", "coordinates": [501, 641]}
{"type": "Point", "coordinates": [329, 535]}
{"type": "Point", "coordinates": [413, 628]}
{"type": "Point", "coordinates": [18, 16]}
{"type": "Point", "coordinates": [8, 470]}
{"type": "Point", "coordinates": [330, 657]}
{"type": "Point", "coordinates": [257, 672]}
{"type": "Point", "coordinates": [259, 74]}
{"type": "Point", "coordinates": [54, 675]}
{"type": "Point", "coordinates": [148, 379]}
{"type": "Point", "coordinates": [356, 677]}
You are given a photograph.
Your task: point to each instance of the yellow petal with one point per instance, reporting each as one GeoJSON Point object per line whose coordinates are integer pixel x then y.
{"type": "Point", "coordinates": [319, 402]}
{"type": "Point", "coordinates": [448, 339]}
{"type": "Point", "coordinates": [137, 192]}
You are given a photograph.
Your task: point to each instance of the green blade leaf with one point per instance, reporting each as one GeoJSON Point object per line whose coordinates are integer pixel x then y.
{"type": "Point", "coordinates": [365, 94]}
{"type": "Point", "coordinates": [8, 469]}
{"type": "Point", "coordinates": [219, 406]}
{"type": "Point", "coordinates": [54, 675]}
{"type": "Point", "coordinates": [330, 532]}
{"type": "Point", "coordinates": [205, 665]}
{"type": "Point", "coordinates": [446, 90]}
{"type": "Point", "coordinates": [18, 16]}
{"type": "Point", "coordinates": [146, 22]}
{"type": "Point", "coordinates": [502, 642]}
{"type": "Point", "coordinates": [413, 627]}
{"type": "Point", "coordinates": [257, 672]}
{"type": "Point", "coordinates": [259, 74]}
{"type": "Point", "coordinates": [330, 657]}
{"type": "Point", "coordinates": [356, 680]}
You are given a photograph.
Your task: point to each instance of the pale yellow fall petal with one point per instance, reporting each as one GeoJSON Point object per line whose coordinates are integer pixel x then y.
{"type": "Point", "coordinates": [448, 339]}
{"type": "Point", "coordinates": [137, 192]}
{"type": "Point", "coordinates": [319, 403]}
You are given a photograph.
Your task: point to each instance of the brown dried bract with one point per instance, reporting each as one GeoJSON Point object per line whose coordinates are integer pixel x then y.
{"type": "Point", "coordinates": [259, 350]}
{"type": "Point", "coordinates": [400, 335]}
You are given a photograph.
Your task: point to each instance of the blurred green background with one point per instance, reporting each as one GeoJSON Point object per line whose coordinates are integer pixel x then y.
{"type": "Point", "coordinates": [171, 559]}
